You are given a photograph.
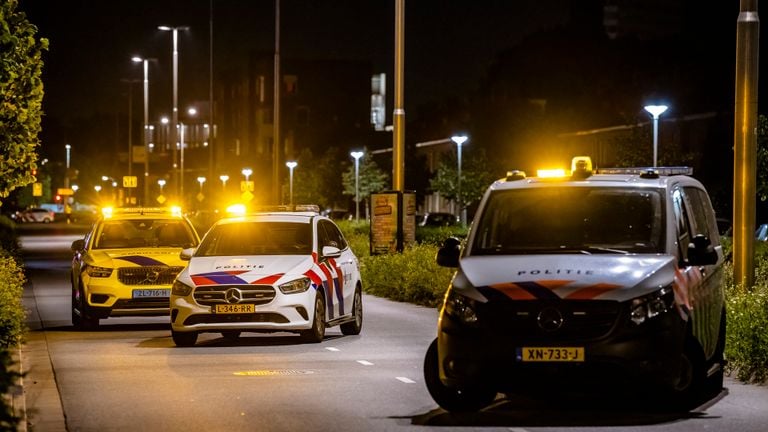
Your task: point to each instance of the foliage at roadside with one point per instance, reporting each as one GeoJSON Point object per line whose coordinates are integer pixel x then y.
{"type": "Point", "coordinates": [746, 347]}
{"type": "Point", "coordinates": [476, 174]}
{"type": "Point", "coordinates": [12, 317]}
{"type": "Point", "coordinates": [21, 96]}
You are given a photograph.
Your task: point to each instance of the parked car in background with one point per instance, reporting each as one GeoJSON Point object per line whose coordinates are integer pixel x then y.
{"type": "Point", "coordinates": [35, 214]}
{"type": "Point", "coordinates": [761, 234]}
{"type": "Point", "coordinates": [438, 219]}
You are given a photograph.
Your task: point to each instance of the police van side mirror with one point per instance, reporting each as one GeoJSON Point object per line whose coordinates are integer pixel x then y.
{"type": "Point", "coordinates": [186, 254]}
{"type": "Point", "coordinates": [701, 252]}
{"type": "Point", "coordinates": [78, 245]}
{"type": "Point", "coordinates": [448, 254]}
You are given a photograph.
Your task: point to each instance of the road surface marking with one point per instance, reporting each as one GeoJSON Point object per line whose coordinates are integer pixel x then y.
{"type": "Point", "coordinates": [365, 363]}
{"type": "Point", "coordinates": [405, 380]}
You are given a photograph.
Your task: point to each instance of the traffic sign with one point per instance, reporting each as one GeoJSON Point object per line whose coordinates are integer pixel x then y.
{"type": "Point", "coordinates": [161, 199]}
{"type": "Point", "coordinates": [246, 186]}
{"type": "Point", "coordinates": [65, 191]}
{"type": "Point", "coordinates": [37, 189]}
{"type": "Point", "coordinates": [130, 181]}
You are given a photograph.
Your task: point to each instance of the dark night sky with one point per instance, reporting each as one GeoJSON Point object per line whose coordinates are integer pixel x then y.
{"type": "Point", "coordinates": [448, 43]}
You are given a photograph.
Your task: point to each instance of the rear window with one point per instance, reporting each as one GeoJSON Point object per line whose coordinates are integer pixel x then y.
{"type": "Point", "coordinates": [571, 219]}
{"type": "Point", "coordinates": [257, 238]}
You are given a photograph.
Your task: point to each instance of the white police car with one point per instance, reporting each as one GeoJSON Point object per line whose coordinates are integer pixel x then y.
{"type": "Point", "coordinates": [595, 281]}
{"type": "Point", "coordinates": [273, 271]}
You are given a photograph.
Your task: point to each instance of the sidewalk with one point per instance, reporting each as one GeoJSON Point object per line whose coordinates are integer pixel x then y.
{"type": "Point", "coordinates": [42, 410]}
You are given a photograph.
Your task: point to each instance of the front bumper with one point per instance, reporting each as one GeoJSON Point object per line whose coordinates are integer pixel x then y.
{"type": "Point", "coordinates": [286, 312]}
{"type": "Point", "coordinates": [106, 297]}
{"type": "Point", "coordinates": [625, 357]}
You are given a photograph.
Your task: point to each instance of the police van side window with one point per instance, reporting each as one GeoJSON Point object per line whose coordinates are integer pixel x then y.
{"type": "Point", "coordinates": [702, 215]}
{"type": "Point", "coordinates": [681, 216]}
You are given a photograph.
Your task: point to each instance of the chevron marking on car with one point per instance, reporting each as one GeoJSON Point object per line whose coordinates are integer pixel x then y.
{"type": "Point", "coordinates": [328, 292]}
{"type": "Point", "coordinates": [547, 290]}
{"type": "Point", "coordinates": [268, 280]}
{"type": "Point", "coordinates": [141, 260]}
{"type": "Point", "coordinates": [338, 282]}
{"type": "Point", "coordinates": [219, 278]}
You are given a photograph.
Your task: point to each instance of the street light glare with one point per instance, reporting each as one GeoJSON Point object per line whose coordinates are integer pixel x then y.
{"type": "Point", "coordinates": [356, 154]}
{"type": "Point", "coordinates": [137, 59]}
{"type": "Point", "coordinates": [459, 139]}
{"type": "Point", "coordinates": [656, 110]}
{"type": "Point", "coordinates": [291, 164]}
{"type": "Point", "coordinates": [164, 28]}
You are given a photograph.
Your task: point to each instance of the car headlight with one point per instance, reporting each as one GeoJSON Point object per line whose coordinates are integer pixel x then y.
{"type": "Point", "coordinates": [100, 272]}
{"type": "Point", "coordinates": [180, 289]}
{"type": "Point", "coordinates": [651, 305]}
{"type": "Point", "coordinates": [460, 307]}
{"type": "Point", "coordinates": [295, 286]}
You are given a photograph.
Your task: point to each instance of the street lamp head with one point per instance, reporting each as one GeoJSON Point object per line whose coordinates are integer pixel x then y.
{"type": "Point", "coordinates": [459, 139]}
{"type": "Point", "coordinates": [164, 28]}
{"type": "Point", "coordinates": [67, 146]}
{"type": "Point", "coordinates": [247, 171]}
{"type": "Point", "coordinates": [656, 110]}
{"type": "Point", "coordinates": [97, 188]}
{"type": "Point", "coordinates": [356, 154]}
{"type": "Point", "coordinates": [291, 164]}
{"type": "Point", "coordinates": [161, 182]}
{"type": "Point", "coordinates": [164, 120]}
{"type": "Point", "coordinates": [104, 178]}
{"type": "Point", "coordinates": [192, 111]}
{"type": "Point", "coordinates": [137, 59]}
{"type": "Point", "coordinates": [224, 177]}
{"type": "Point", "coordinates": [201, 180]}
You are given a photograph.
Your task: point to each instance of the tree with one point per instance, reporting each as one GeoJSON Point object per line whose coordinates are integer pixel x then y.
{"type": "Point", "coordinates": [21, 96]}
{"type": "Point", "coordinates": [476, 176]}
{"type": "Point", "coordinates": [371, 179]}
{"type": "Point", "coordinates": [315, 178]}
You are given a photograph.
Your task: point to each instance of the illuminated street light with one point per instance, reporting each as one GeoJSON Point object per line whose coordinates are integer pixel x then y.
{"type": "Point", "coordinates": [161, 183]}
{"type": "Point", "coordinates": [357, 155]}
{"type": "Point", "coordinates": [655, 111]}
{"type": "Point", "coordinates": [66, 176]}
{"type": "Point", "coordinates": [247, 173]}
{"type": "Point", "coordinates": [291, 165]}
{"type": "Point", "coordinates": [224, 179]}
{"type": "Point", "coordinates": [201, 180]}
{"type": "Point", "coordinates": [459, 140]}
{"type": "Point", "coordinates": [97, 188]}
{"type": "Point", "coordinates": [175, 115]}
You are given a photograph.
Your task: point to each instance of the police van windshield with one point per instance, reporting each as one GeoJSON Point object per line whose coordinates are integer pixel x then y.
{"type": "Point", "coordinates": [583, 220]}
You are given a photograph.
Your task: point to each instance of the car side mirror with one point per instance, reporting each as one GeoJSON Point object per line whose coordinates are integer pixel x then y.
{"type": "Point", "coordinates": [701, 252]}
{"type": "Point", "coordinates": [331, 252]}
{"type": "Point", "coordinates": [78, 245]}
{"type": "Point", "coordinates": [186, 254]}
{"type": "Point", "coordinates": [448, 254]}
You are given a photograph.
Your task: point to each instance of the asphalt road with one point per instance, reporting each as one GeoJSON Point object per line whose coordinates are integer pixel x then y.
{"type": "Point", "coordinates": [128, 375]}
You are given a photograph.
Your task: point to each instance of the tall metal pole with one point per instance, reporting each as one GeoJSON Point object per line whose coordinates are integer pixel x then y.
{"type": "Point", "coordinates": [276, 111]}
{"type": "Point", "coordinates": [655, 140]}
{"type": "Point", "coordinates": [211, 128]}
{"type": "Point", "coordinates": [745, 143]}
{"type": "Point", "coordinates": [398, 117]}
{"type": "Point", "coordinates": [146, 132]}
{"type": "Point", "coordinates": [68, 148]}
{"type": "Point", "coordinates": [458, 196]}
{"type": "Point", "coordinates": [357, 189]}
{"type": "Point", "coordinates": [175, 114]}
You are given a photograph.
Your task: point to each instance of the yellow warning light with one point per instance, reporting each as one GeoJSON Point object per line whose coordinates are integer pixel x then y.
{"type": "Point", "coordinates": [547, 173]}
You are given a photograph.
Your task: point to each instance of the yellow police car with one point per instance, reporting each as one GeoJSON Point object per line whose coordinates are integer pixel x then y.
{"type": "Point", "coordinates": [125, 265]}
{"type": "Point", "coordinates": [604, 280]}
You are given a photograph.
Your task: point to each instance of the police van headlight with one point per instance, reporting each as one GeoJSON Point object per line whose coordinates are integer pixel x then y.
{"type": "Point", "coordinates": [461, 307]}
{"type": "Point", "coordinates": [180, 289]}
{"type": "Point", "coordinates": [98, 272]}
{"type": "Point", "coordinates": [295, 286]}
{"type": "Point", "coordinates": [652, 305]}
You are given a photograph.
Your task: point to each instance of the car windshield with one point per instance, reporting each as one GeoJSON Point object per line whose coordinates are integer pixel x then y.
{"type": "Point", "coordinates": [116, 234]}
{"type": "Point", "coordinates": [584, 220]}
{"type": "Point", "coordinates": [257, 238]}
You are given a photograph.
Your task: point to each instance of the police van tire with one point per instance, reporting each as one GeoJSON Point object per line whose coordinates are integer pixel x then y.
{"type": "Point", "coordinates": [354, 327]}
{"type": "Point", "coordinates": [184, 339]}
{"type": "Point", "coordinates": [688, 391]}
{"type": "Point", "coordinates": [715, 381]}
{"type": "Point", "coordinates": [317, 332]}
{"type": "Point", "coordinates": [80, 318]}
{"type": "Point", "coordinates": [451, 399]}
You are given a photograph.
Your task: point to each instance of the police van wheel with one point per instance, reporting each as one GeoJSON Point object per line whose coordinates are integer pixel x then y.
{"type": "Point", "coordinates": [80, 318]}
{"type": "Point", "coordinates": [688, 390]}
{"type": "Point", "coordinates": [184, 339]}
{"type": "Point", "coordinates": [451, 399]}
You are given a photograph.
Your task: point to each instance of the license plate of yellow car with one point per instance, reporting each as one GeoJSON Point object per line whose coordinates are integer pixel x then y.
{"type": "Point", "coordinates": [234, 308]}
{"type": "Point", "coordinates": [550, 354]}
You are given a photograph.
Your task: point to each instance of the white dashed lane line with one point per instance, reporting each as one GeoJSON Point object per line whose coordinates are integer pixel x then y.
{"type": "Point", "coordinates": [404, 380]}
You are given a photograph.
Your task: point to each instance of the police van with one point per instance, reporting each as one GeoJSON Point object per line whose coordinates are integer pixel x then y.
{"type": "Point", "coordinates": [608, 279]}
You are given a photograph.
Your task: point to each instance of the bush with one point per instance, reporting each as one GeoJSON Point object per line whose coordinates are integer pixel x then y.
{"type": "Point", "coordinates": [746, 347]}
{"type": "Point", "coordinates": [8, 378]}
{"type": "Point", "coordinates": [12, 314]}
{"type": "Point", "coordinates": [9, 240]}
{"type": "Point", "coordinates": [436, 235]}
{"type": "Point", "coordinates": [411, 276]}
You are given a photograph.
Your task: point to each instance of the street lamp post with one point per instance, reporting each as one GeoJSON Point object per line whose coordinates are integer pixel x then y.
{"type": "Point", "coordinates": [201, 180]}
{"type": "Point", "coordinates": [247, 173]}
{"type": "Point", "coordinates": [459, 140]}
{"type": "Point", "coordinates": [175, 117]}
{"type": "Point", "coordinates": [224, 179]}
{"type": "Point", "coordinates": [357, 155]}
{"type": "Point", "coordinates": [66, 175]}
{"type": "Point", "coordinates": [655, 111]}
{"type": "Point", "coordinates": [291, 165]}
{"type": "Point", "coordinates": [145, 139]}
{"type": "Point", "coordinates": [161, 183]}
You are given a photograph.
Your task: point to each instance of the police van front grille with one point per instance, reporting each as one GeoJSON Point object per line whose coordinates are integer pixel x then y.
{"type": "Point", "coordinates": [524, 319]}
{"type": "Point", "coordinates": [247, 294]}
{"type": "Point", "coordinates": [148, 275]}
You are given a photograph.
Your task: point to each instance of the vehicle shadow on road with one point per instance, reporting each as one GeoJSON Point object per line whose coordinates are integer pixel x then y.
{"type": "Point", "coordinates": [584, 412]}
